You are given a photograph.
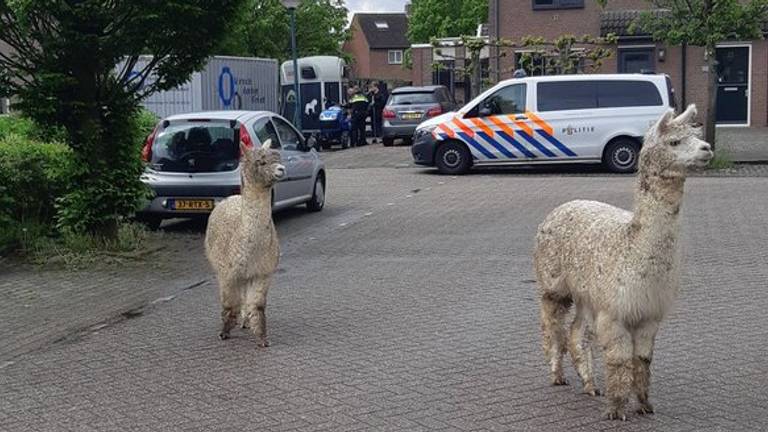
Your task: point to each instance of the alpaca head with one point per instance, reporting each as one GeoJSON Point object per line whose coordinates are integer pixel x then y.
{"type": "Point", "coordinates": [261, 165]}
{"type": "Point", "coordinates": [674, 145]}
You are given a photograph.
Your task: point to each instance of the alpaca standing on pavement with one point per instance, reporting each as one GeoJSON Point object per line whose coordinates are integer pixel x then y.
{"type": "Point", "coordinates": [619, 268]}
{"type": "Point", "coordinates": [241, 242]}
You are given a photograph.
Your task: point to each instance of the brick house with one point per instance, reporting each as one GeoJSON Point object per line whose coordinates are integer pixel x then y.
{"type": "Point", "coordinates": [377, 46]}
{"type": "Point", "coordinates": [743, 86]}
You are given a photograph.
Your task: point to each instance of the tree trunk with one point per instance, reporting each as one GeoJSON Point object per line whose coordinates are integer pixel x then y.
{"type": "Point", "coordinates": [710, 129]}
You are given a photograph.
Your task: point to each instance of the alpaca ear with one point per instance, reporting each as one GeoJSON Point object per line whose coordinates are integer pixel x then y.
{"type": "Point", "coordinates": [665, 122]}
{"type": "Point", "coordinates": [267, 144]}
{"type": "Point", "coordinates": [687, 116]}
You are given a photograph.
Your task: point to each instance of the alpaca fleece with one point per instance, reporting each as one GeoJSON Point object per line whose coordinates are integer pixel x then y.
{"type": "Point", "coordinates": [241, 243]}
{"type": "Point", "coordinates": [620, 269]}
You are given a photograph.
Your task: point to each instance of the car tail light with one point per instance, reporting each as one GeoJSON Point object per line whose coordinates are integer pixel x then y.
{"type": "Point", "coordinates": [146, 151]}
{"type": "Point", "coordinates": [434, 112]}
{"type": "Point", "coordinates": [245, 138]}
{"type": "Point", "coordinates": [388, 114]}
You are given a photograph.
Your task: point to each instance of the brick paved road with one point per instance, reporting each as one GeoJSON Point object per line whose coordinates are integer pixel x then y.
{"type": "Point", "coordinates": [409, 305]}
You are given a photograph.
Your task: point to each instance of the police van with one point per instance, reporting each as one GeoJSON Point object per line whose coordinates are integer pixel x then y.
{"type": "Point", "coordinates": [548, 119]}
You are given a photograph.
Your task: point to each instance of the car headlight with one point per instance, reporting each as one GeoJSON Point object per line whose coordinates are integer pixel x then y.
{"type": "Point", "coordinates": [426, 130]}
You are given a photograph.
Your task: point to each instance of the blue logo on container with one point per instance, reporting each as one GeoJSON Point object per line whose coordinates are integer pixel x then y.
{"type": "Point", "coordinates": [226, 86]}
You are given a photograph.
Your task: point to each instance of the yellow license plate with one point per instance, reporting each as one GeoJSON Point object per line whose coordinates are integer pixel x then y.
{"type": "Point", "coordinates": [193, 205]}
{"type": "Point", "coordinates": [411, 116]}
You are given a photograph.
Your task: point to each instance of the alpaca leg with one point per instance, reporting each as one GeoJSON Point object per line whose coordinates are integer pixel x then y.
{"type": "Point", "coordinates": [580, 348]}
{"type": "Point", "coordinates": [643, 340]}
{"type": "Point", "coordinates": [229, 295]}
{"type": "Point", "coordinates": [256, 307]}
{"type": "Point", "coordinates": [617, 351]}
{"type": "Point", "coordinates": [553, 312]}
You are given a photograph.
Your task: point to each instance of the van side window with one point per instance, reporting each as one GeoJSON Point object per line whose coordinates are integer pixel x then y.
{"type": "Point", "coordinates": [613, 94]}
{"type": "Point", "coordinates": [566, 95]}
{"type": "Point", "coordinates": [509, 100]}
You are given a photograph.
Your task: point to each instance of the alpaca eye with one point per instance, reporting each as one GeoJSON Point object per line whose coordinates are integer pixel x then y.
{"type": "Point", "coordinates": [674, 143]}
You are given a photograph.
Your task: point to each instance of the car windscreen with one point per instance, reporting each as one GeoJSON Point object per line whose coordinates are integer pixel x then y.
{"type": "Point", "coordinates": [413, 98]}
{"type": "Point", "coordinates": [196, 147]}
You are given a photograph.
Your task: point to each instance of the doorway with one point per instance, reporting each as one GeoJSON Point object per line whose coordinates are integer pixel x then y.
{"type": "Point", "coordinates": [733, 82]}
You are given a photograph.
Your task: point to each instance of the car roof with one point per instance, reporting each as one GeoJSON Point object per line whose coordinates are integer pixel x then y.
{"type": "Point", "coordinates": [412, 89]}
{"type": "Point", "coordinates": [218, 115]}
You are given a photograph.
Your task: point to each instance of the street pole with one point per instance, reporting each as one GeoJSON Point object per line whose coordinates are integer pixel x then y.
{"type": "Point", "coordinates": [296, 86]}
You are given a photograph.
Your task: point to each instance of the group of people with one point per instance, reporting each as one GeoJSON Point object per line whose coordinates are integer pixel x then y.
{"type": "Point", "coordinates": [361, 105]}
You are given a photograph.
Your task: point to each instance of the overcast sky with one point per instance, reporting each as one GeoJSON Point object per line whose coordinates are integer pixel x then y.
{"type": "Point", "coordinates": [376, 5]}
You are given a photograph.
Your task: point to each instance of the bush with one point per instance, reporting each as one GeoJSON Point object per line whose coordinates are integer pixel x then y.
{"type": "Point", "coordinates": [28, 129]}
{"type": "Point", "coordinates": [32, 176]}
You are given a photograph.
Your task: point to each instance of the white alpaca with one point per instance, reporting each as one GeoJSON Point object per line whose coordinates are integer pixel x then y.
{"type": "Point", "coordinates": [619, 268]}
{"type": "Point", "coordinates": [241, 242]}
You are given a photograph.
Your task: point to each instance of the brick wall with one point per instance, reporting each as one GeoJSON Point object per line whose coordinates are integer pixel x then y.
{"type": "Point", "coordinates": [357, 47]}
{"type": "Point", "coordinates": [381, 69]}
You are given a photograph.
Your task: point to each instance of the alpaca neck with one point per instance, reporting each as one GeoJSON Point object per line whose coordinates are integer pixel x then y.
{"type": "Point", "coordinates": [256, 204]}
{"type": "Point", "coordinates": [657, 208]}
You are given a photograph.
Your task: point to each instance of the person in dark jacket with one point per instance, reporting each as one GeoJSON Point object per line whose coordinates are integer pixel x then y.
{"type": "Point", "coordinates": [378, 100]}
{"type": "Point", "coordinates": [358, 105]}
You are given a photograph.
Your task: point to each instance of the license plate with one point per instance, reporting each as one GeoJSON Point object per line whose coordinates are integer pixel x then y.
{"type": "Point", "coordinates": [411, 116]}
{"type": "Point", "coordinates": [193, 205]}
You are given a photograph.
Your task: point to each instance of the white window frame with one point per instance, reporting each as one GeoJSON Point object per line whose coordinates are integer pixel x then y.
{"type": "Point", "coordinates": [395, 54]}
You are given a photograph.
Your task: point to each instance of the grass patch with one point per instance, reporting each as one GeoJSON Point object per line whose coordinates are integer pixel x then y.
{"type": "Point", "coordinates": [35, 244]}
{"type": "Point", "coordinates": [722, 160]}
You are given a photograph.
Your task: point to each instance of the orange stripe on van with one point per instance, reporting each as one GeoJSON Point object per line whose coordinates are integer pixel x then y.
{"type": "Point", "coordinates": [540, 122]}
{"type": "Point", "coordinates": [522, 125]}
{"type": "Point", "coordinates": [503, 126]}
{"type": "Point", "coordinates": [448, 131]}
{"type": "Point", "coordinates": [482, 126]}
{"type": "Point", "coordinates": [464, 128]}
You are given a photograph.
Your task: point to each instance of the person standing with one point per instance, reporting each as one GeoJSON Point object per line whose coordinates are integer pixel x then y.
{"type": "Point", "coordinates": [378, 100]}
{"type": "Point", "coordinates": [358, 105]}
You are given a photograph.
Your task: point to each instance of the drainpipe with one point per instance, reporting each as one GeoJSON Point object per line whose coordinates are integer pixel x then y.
{"type": "Point", "coordinates": [498, 36]}
{"type": "Point", "coordinates": [683, 71]}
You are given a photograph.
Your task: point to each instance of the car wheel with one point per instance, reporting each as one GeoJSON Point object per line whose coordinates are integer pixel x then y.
{"type": "Point", "coordinates": [453, 158]}
{"type": "Point", "coordinates": [388, 141]}
{"type": "Point", "coordinates": [318, 195]}
{"type": "Point", "coordinates": [621, 155]}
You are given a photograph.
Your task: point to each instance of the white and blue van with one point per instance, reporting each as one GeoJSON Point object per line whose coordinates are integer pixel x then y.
{"type": "Point", "coordinates": [548, 119]}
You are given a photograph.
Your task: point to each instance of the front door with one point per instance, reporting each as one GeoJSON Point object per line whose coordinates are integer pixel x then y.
{"type": "Point", "coordinates": [733, 85]}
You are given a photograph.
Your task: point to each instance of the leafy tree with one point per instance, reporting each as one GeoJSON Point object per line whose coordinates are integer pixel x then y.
{"type": "Point", "coordinates": [445, 18]}
{"type": "Point", "coordinates": [703, 23]}
{"type": "Point", "coordinates": [74, 64]}
{"type": "Point", "coordinates": [264, 31]}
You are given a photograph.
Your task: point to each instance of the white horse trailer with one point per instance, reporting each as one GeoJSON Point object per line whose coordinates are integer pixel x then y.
{"type": "Point", "coordinates": [322, 79]}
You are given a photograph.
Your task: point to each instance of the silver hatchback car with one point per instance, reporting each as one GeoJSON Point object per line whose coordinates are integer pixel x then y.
{"type": "Point", "coordinates": [193, 162]}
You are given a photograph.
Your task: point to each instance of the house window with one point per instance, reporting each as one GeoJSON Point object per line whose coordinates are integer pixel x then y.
{"type": "Point", "coordinates": [381, 25]}
{"type": "Point", "coordinates": [395, 57]}
{"type": "Point", "coordinates": [558, 4]}
{"type": "Point", "coordinates": [637, 60]}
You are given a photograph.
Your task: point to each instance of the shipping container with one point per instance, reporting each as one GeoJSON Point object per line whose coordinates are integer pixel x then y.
{"type": "Point", "coordinates": [226, 83]}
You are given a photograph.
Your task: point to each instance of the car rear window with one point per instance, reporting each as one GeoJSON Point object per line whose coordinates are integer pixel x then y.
{"type": "Point", "coordinates": [196, 147]}
{"type": "Point", "coordinates": [413, 98]}
{"type": "Point", "coordinates": [573, 95]}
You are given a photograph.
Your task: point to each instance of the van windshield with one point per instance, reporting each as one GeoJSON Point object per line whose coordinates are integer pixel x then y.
{"type": "Point", "coordinates": [196, 147]}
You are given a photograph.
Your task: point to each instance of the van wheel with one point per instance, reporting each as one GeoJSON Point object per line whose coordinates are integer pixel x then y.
{"type": "Point", "coordinates": [318, 195]}
{"type": "Point", "coordinates": [621, 155]}
{"type": "Point", "coordinates": [453, 158]}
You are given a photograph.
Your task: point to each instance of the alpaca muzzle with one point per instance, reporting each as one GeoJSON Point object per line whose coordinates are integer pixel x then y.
{"type": "Point", "coordinates": [279, 172]}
